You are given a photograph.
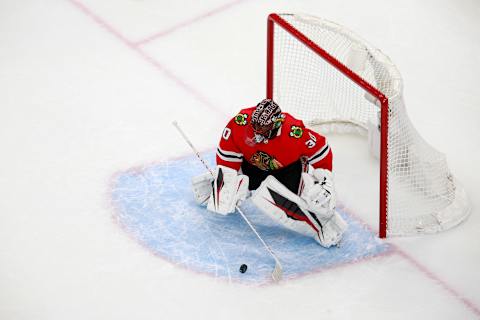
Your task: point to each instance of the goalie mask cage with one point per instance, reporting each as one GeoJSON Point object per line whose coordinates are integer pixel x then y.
{"type": "Point", "coordinates": [334, 80]}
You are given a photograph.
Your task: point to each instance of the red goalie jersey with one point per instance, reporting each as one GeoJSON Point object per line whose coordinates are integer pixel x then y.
{"type": "Point", "coordinates": [291, 142]}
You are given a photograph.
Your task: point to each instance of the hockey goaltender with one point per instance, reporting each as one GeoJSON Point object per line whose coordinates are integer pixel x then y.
{"type": "Point", "coordinates": [284, 166]}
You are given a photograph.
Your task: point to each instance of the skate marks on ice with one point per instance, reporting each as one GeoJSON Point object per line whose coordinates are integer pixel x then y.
{"type": "Point", "coordinates": [155, 205]}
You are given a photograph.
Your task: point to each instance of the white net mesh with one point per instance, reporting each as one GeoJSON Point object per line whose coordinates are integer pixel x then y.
{"type": "Point", "coordinates": [423, 196]}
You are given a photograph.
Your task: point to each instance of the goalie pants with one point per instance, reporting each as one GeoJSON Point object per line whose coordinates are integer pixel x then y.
{"type": "Point", "coordinates": [289, 176]}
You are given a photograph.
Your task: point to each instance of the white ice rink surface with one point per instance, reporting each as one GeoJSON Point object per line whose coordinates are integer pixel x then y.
{"type": "Point", "coordinates": [89, 88]}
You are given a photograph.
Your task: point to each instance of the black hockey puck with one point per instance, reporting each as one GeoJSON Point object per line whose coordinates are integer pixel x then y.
{"type": "Point", "coordinates": [243, 268]}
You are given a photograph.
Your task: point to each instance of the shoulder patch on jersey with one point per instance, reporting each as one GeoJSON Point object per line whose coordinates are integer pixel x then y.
{"type": "Point", "coordinates": [241, 119]}
{"type": "Point", "coordinates": [296, 132]}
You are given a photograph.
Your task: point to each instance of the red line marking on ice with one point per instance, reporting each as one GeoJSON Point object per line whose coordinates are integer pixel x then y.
{"type": "Point", "coordinates": [421, 268]}
{"type": "Point", "coordinates": [157, 65]}
{"type": "Point", "coordinates": [345, 264]}
{"type": "Point", "coordinates": [469, 304]}
{"type": "Point", "coordinates": [101, 22]}
{"type": "Point", "coordinates": [187, 22]}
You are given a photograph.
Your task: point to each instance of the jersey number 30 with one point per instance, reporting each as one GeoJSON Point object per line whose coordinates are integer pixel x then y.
{"type": "Point", "coordinates": [226, 133]}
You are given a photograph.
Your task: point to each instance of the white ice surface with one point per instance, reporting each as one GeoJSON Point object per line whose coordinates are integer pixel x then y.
{"type": "Point", "coordinates": [80, 102]}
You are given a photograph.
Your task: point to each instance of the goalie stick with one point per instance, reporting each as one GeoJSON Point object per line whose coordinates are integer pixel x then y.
{"type": "Point", "coordinates": [277, 272]}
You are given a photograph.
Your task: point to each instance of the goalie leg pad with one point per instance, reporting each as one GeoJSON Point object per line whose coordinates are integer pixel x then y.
{"type": "Point", "coordinates": [320, 197]}
{"type": "Point", "coordinates": [333, 230]}
{"type": "Point", "coordinates": [283, 206]}
{"type": "Point", "coordinates": [228, 189]}
{"type": "Point", "coordinates": [294, 213]}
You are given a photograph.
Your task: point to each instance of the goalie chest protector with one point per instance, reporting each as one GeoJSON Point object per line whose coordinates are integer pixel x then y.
{"type": "Point", "coordinates": [292, 142]}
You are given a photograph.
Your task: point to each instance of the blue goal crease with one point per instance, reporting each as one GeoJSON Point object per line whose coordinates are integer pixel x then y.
{"type": "Point", "coordinates": [156, 206]}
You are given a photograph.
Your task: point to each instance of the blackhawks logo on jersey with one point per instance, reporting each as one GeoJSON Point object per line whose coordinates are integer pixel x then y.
{"type": "Point", "coordinates": [264, 161]}
{"type": "Point", "coordinates": [241, 119]}
{"type": "Point", "coordinates": [296, 132]}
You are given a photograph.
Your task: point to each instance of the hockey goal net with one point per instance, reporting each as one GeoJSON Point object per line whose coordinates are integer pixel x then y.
{"type": "Point", "coordinates": [329, 77]}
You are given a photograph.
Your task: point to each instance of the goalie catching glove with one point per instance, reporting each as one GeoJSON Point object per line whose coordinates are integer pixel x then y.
{"type": "Point", "coordinates": [318, 190]}
{"type": "Point", "coordinates": [222, 192]}
{"type": "Point", "coordinates": [312, 214]}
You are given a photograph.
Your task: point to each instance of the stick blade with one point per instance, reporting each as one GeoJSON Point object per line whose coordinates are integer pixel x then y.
{"type": "Point", "coordinates": [277, 273]}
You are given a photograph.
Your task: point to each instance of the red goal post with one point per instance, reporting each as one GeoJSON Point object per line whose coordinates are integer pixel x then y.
{"type": "Point", "coordinates": [310, 73]}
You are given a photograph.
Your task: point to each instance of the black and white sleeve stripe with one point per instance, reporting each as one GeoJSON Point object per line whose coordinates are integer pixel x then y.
{"type": "Point", "coordinates": [319, 155]}
{"type": "Point", "coordinates": [229, 155]}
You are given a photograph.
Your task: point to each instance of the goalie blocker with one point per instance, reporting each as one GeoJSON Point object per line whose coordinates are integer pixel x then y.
{"type": "Point", "coordinates": [228, 189]}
